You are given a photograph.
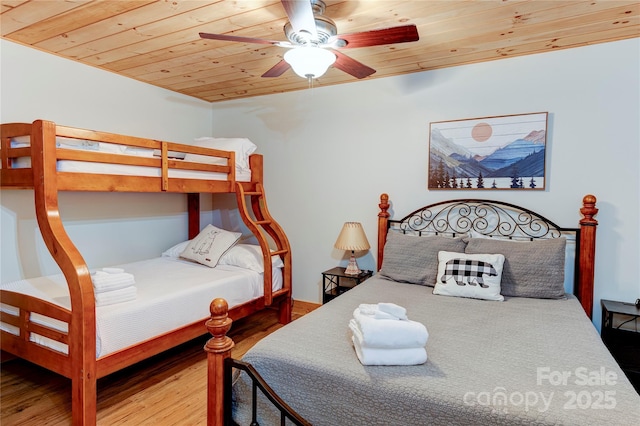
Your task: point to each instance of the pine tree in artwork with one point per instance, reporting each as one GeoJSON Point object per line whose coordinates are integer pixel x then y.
{"type": "Point", "coordinates": [532, 183]}
{"type": "Point", "coordinates": [515, 178]}
{"type": "Point", "coordinates": [440, 175]}
{"type": "Point", "coordinates": [520, 183]}
{"type": "Point", "coordinates": [469, 183]}
{"type": "Point", "coordinates": [432, 177]}
{"type": "Point", "coordinates": [493, 185]}
{"type": "Point", "coordinates": [454, 182]}
{"type": "Point", "coordinates": [480, 181]}
{"type": "Point", "coordinates": [461, 183]}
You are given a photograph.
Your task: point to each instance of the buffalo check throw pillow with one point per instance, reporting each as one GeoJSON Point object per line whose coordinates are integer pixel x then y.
{"type": "Point", "coordinates": [469, 275]}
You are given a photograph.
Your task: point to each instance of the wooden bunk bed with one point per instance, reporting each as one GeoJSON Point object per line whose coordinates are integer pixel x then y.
{"type": "Point", "coordinates": [164, 171]}
{"type": "Point", "coordinates": [493, 349]}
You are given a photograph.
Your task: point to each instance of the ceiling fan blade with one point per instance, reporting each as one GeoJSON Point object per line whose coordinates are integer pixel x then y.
{"type": "Point", "coordinates": [278, 69]}
{"type": "Point", "coordinates": [226, 37]}
{"type": "Point", "coordinates": [300, 15]}
{"type": "Point", "coordinates": [351, 66]}
{"type": "Point", "coordinates": [391, 35]}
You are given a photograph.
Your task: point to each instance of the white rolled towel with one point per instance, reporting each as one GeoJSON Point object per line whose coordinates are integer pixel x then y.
{"type": "Point", "coordinates": [393, 309]}
{"type": "Point", "coordinates": [388, 334]}
{"type": "Point", "coordinates": [383, 310]}
{"type": "Point", "coordinates": [373, 311]}
{"type": "Point", "coordinates": [126, 294]}
{"type": "Point", "coordinates": [376, 356]}
{"type": "Point", "coordinates": [105, 281]}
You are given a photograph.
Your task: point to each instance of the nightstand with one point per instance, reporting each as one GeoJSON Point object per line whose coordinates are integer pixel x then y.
{"type": "Point", "coordinates": [623, 343]}
{"type": "Point", "coordinates": [335, 282]}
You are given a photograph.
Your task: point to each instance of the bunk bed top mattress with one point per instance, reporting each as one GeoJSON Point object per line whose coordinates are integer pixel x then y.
{"type": "Point", "coordinates": [171, 293]}
{"type": "Point", "coordinates": [488, 362]}
{"type": "Point", "coordinates": [242, 174]}
{"type": "Point", "coordinates": [73, 166]}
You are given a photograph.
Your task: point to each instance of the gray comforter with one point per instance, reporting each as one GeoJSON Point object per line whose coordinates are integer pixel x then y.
{"type": "Point", "coordinates": [521, 361]}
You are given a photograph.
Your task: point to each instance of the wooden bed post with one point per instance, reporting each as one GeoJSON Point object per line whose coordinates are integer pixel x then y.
{"type": "Point", "coordinates": [193, 206]}
{"type": "Point", "coordinates": [218, 350]}
{"type": "Point", "coordinates": [383, 217]}
{"type": "Point", "coordinates": [588, 253]}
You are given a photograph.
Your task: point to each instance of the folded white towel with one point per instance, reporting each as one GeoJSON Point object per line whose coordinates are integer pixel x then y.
{"type": "Point", "coordinates": [376, 356]}
{"type": "Point", "coordinates": [104, 281]}
{"type": "Point", "coordinates": [116, 296]}
{"type": "Point", "coordinates": [393, 309]}
{"type": "Point", "coordinates": [374, 312]}
{"type": "Point", "coordinates": [113, 270]}
{"type": "Point", "coordinates": [380, 333]}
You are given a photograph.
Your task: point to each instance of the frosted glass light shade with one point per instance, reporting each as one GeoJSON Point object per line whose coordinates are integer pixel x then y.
{"type": "Point", "coordinates": [309, 61]}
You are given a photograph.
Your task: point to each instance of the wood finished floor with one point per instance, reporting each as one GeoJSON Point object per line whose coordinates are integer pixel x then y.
{"type": "Point", "coordinates": [168, 389]}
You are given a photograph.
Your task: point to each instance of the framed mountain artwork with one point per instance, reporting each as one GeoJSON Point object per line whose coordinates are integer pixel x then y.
{"type": "Point", "coordinates": [505, 152]}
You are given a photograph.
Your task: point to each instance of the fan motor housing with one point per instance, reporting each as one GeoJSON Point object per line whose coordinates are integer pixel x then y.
{"type": "Point", "coordinates": [325, 27]}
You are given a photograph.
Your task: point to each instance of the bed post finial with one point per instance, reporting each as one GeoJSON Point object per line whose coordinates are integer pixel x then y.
{"type": "Point", "coordinates": [383, 217]}
{"type": "Point", "coordinates": [589, 210]}
{"type": "Point", "coordinates": [588, 253]}
{"type": "Point", "coordinates": [218, 349]}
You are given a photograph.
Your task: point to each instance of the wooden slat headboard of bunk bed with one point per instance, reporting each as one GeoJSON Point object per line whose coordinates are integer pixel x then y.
{"type": "Point", "coordinates": [432, 219]}
{"type": "Point", "coordinates": [43, 176]}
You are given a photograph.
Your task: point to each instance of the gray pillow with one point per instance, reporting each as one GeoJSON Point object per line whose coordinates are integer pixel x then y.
{"type": "Point", "coordinates": [531, 268]}
{"type": "Point", "coordinates": [413, 259]}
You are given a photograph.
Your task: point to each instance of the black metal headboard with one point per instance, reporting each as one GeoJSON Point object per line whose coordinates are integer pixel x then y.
{"type": "Point", "coordinates": [496, 219]}
{"type": "Point", "coordinates": [490, 219]}
{"type": "Point", "coordinates": [484, 217]}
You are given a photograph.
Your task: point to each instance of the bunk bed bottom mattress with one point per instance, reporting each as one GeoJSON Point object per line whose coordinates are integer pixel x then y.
{"type": "Point", "coordinates": [171, 293]}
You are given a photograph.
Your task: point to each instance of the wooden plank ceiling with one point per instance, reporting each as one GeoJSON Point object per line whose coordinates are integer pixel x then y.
{"type": "Point", "coordinates": [157, 42]}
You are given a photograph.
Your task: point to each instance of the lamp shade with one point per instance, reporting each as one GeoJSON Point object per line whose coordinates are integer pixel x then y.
{"type": "Point", "coordinates": [352, 237]}
{"type": "Point", "coordinates": [309, 61]}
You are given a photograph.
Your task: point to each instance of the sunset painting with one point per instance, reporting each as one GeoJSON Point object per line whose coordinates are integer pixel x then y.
{"type": "Point", "coordinates": [505, 152]}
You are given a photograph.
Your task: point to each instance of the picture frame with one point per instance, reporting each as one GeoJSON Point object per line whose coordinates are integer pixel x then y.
{"type": "Point", "coordinates": [489, 153]}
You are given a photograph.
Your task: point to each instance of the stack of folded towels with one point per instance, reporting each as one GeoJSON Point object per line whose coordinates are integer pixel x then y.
{"type": "Point", "coordinates": [113, 285]}
{"type": "Point", "coordinates": [382, 334]}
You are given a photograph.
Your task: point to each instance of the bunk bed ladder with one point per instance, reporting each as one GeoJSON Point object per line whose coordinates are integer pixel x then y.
{"type": "Point", "coordinates": [260, 223]}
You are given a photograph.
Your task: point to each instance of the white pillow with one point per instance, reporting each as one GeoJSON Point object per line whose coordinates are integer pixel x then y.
{"type": "Point", "coordinates": [209, 245]}
{"type": "Point", "coordinates": [248, 256]}
{"type": "Point", "coordinates": [243, 148]}
{"type": "Point", "coordinates": [176, 250]}
{"type": "Point", "coordinates": [469, 275]}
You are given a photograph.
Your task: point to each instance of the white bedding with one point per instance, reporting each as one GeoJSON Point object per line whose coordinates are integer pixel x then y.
{"type": "Point", "coordinates": [123, 169]}
{"type": "Point", "coordinates": [242, 174]}
{"type": "Point", "coordinates": [171, 293]}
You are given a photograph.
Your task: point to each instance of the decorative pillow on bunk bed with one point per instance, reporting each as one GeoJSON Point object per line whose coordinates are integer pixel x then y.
{"type": "Point", "coordinates": [413, 259]}
{"type": "Point", "coordinates": [209, 245]}
{"type": "Point", "coordinates": [243, 148]}
{"type": "Point", "coordinates": [248, 256]}
{"type": "Point", "coordinates": [531, 268]}
{"type": "Point", "coordinates": [469, 275]}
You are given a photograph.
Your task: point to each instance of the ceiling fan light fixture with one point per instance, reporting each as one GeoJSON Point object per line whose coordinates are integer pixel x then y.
{"type": "Point", "coordinates": [309, 61]}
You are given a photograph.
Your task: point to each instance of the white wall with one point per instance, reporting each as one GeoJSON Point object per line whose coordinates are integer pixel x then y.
{"type": "Point", "coordinates": [107, 228]}
{"type": "Point", "coordinates": [330, 152]}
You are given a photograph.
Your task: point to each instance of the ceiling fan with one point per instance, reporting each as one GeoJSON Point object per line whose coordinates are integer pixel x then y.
{"type": "Point", "coordinates": [313, 40]}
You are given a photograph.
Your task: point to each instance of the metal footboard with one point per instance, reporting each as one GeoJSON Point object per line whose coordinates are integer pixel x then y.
{"type": "Point", "coordinates": [258, 382]}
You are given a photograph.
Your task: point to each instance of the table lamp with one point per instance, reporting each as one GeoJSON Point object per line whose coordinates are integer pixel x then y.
{"type": "Point", "coordinates": [352, 238]}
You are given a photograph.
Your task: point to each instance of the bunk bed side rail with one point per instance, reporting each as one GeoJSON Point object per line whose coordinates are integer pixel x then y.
{"type": "Point", "coordinates": [22, 332]}
{"type": "Point", "coordinates": [156, 158]}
